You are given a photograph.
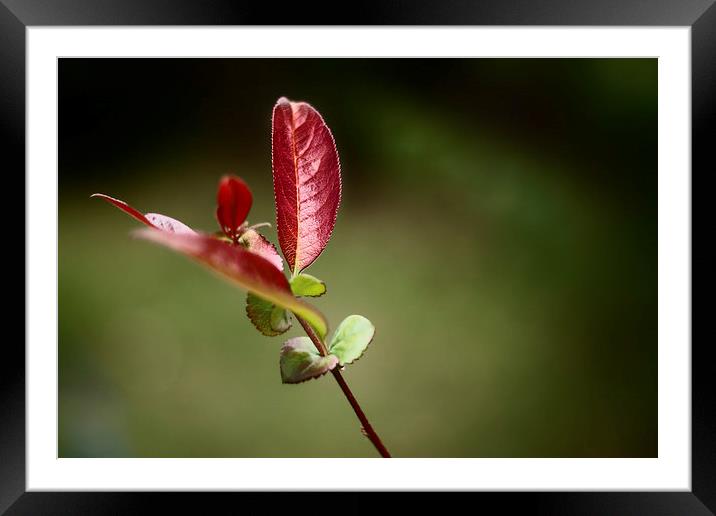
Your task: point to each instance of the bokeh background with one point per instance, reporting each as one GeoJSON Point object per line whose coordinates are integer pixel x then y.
{"type": "Point", "coordinates": [498, 225]}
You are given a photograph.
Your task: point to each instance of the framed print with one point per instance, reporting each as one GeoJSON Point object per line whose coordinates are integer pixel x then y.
{"type": "Point", "coordinates": [458, 238]}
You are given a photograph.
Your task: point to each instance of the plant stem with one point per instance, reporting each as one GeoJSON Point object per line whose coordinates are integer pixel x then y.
{"type": "Point", "coordinates": [366, 426]}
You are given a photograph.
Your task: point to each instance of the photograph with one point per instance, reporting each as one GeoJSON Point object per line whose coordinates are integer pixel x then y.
{"type": "Point", "coordinates": [357, 257]}
{"type": "Point", "coordinates": [267, 249]}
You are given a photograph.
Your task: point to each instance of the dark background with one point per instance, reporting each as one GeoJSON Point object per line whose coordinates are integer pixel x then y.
{"type": "Point", "coordinates": [498, 225]}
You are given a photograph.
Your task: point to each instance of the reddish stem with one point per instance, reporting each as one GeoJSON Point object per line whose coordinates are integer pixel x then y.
{"type": "Point", "coordinates": [366, 426]}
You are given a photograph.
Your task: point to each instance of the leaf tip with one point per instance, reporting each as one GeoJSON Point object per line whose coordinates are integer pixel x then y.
{"type": "Point", "coordinates": [105, 197]}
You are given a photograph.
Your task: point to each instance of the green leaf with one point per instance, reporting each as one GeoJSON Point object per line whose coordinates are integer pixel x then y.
{"type": "Point", "coordinates": [300, 361]}
{"type": "Point", "coordinates": [280, 319]}
{"type": "Point", "coordinates": [351, 338]}
{"type": "Point", "coordinates": [307, 285]}
{"type": "Point", "coordinates": [268, 318]}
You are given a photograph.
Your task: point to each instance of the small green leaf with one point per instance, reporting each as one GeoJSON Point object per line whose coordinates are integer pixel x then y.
{"type": "Point", "coordinates": [307, 285]}
{"type": "Point", "coordinates": [351, 338]}
{"type": "Point", "coordinates": [280, 319]}
{"type": "Point", "coordinates": [300, 361]}
{"type": "Point", "coordinates": [268, 318]}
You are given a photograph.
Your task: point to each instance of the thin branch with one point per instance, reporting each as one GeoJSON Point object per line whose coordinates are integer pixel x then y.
{"type": "Point", "coordinates": [367, 428]}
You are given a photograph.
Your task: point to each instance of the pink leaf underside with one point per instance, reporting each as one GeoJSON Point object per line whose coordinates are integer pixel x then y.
{"type": "Point", "coordinates": [233, 200]}
{"type": "Point", "coordinates": [306, 179]}
{"type": "Point", "coordinates": [154, 220]}
{"type": "Point", "coordinates": [249, 270]}
{"type": "Point", "coordinates": [169, 224]}
{"type": "Point", "coordinates": [256, 243]}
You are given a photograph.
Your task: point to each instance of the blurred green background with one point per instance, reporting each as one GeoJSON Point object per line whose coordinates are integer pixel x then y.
{"type": "Point", "coordinates": [498, 225]}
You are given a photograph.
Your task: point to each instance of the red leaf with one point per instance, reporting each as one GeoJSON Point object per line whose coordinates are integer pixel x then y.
{"type": "Point", "coordinates": [306, 181]}
{"type": "Point", "coordinates": [258, 244]}
{"type": "Point", "coordinates": [125, 208]}
{"type": "Point", "coordinates": [233, 201]}
{"type": "Point", "coordinates": [248, 270]}
{"type": "Point", "coordinates": [154, 220]}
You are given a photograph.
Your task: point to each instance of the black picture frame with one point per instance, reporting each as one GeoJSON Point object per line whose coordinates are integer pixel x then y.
{"type": "Point", "coordinates": [16, 15]}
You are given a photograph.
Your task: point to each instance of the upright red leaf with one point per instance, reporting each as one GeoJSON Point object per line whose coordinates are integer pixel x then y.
{"type": "Point", "coordinates": [306, 181]}
{"type": "Point", "coordinates": [250, 271]}
{"type": "Point", "coordinates": [233, 201]}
